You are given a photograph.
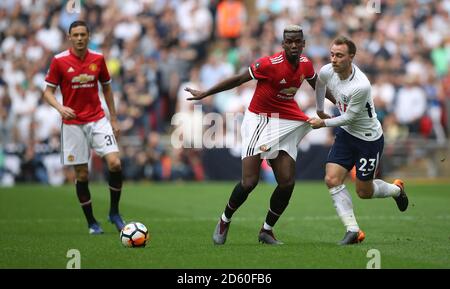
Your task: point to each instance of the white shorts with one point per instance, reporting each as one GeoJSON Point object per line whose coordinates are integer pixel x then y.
{"type": "Point", "coordinates": [269, 135]}
{"type": "Point", "coordinates": [78, 140]}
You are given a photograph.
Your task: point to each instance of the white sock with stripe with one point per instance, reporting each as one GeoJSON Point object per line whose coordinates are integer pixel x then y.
{"type": "Point", "coordinates": [267, 227]}
{"type": "Point", "coordinates": [381, 189]}
{"type": "Point", "coordinates": [225, 219]}
{"type": "Point", "coordinates": [342, 202]}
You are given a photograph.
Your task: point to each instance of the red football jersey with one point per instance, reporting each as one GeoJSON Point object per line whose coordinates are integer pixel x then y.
{"type": "Point", "coordinates": [78, 80]}
{"type": "Point", "coordinates": [278, 82]}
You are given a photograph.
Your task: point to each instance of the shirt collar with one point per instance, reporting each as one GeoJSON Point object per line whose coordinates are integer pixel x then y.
{"type": "Point", "coordinates": [74, 55]}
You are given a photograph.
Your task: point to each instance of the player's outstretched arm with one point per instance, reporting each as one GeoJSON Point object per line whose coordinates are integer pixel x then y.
{"type": "Point", "coordinates": [49, 96]}
{"type": "Point", "coordinates": [328, 94]}
{"type": "Point", "coordinates": [320, 89]}
{"type": "Point", "coordinates": [226, 84]}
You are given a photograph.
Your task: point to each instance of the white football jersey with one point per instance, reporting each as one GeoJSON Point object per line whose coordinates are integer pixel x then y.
{"type": "Point", "coordinates": [354, 101]}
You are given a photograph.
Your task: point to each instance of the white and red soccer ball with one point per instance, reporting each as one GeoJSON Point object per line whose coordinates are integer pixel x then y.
{"type": "Point", "coordinates": [134, 235]}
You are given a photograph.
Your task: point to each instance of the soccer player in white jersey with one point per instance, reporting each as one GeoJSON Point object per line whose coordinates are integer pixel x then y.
{"type": "Point", "coordinates": [359, 139]}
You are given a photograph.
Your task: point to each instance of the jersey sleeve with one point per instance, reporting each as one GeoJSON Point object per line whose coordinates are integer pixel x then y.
{"type": "Point", "coordinates": [325, 73]}
{"type": "Point", "coordinates": [309, 68]}
{"type": "Point", "coordinates": [53, 77]}
{"type": "Point", "coordinates": [104, 76]}
{"type": "Point", "coordinates": [321, 87]}
{"type": "Point", "coordinates": [260, 69]}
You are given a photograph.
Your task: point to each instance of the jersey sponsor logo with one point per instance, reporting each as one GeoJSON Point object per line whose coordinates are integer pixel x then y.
{"type": "Point", "coordinates": [93, 67]}
{"type": "Point", "coordinates": [366, 174]}
{"type": "Point", "coordinates": [70, 69]}
{"type": "Point", "coordinates": [257, 64]}
{"type": "Point", "coordinates": [83, 78]}
{"type": "Point", "coordinates": [287, 93]}
{"type": "Point", "coordinates": [283, 81]}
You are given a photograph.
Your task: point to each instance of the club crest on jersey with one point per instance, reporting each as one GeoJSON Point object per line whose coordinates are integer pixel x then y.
{"type": "Point", "coordinates": [83, 78]}
{"type": "Point", "coordinates": [345, 98]}
{"type": "Point", "coordinates": [70, 158]}
{"type": "Point", "coordinates": [93, 67]}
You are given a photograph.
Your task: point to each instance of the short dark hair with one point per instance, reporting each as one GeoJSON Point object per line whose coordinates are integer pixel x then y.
{"type": "Point", "coordinates": [344, 40]}
{"type": "Point", "coordinates": [292, 29]}
{"type": "Point", "coordinates": [78, 23]}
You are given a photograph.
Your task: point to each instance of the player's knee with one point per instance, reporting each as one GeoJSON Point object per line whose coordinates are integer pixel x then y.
{"type": "Point", "coordinates": [287, 184]}
{"type": "Point", "coordinates": [249, 183]}
{"type": "Point", "coordinates": [115, 165]}
{"type": "Point", "coordinates": [332, 181]}
{"type": "Point", "coordinates": [82, 176]}
{"type": "Point", "coordinates": [81, 173]}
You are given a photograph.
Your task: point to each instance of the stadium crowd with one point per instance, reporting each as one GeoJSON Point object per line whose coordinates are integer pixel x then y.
{"type": "Point", "coordinates": [155, 48]}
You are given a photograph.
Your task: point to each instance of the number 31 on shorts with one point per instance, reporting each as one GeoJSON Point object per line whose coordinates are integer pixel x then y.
{"type": "Point", "coordinates": [110, 140]}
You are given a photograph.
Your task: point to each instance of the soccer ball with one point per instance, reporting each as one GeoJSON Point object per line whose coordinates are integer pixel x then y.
{"type": "Point", "coordinates": [134, 235]}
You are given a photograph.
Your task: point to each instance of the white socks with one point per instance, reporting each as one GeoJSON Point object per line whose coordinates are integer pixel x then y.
{"type": "Point", "coordinates": [225, 219]}
{"type": "Point", "coordinates": [267, 227]}
{"type": "Point", "coordinates": [381, 189]}
{"type": "Point", "coordinates": [342, 202]}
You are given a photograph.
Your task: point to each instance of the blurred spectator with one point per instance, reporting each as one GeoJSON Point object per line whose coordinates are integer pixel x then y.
{"type": "Point", "coordinates": [46, 121]}
{"type": "Point", "coordinates": [440, 56]}
{"type": "Point", "coordinates": [230, 19]}
{"type": "Point", "coordinates": [24, 103]}
{"type": "Point", "coordinates": [383, 93]}
{"type": "Point", "coordinates": [411, 105]}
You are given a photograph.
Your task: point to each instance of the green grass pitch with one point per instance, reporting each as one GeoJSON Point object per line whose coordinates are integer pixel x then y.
{"type": "Point", "coordinates": [39, 224]}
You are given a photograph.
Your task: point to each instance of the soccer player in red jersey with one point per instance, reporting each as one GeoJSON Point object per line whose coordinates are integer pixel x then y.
{"type": "Point", "coordinates": [272, 127]}
{"type": "Point", "coordinates": [76, 71]}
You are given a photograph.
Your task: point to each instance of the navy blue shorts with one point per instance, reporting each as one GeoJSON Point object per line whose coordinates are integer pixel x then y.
{"type": "Point", "coordinates": [349, 151]}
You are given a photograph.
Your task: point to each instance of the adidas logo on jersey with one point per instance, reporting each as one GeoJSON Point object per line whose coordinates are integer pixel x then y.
{"type": "Point", "coordinates": [283, 81]}
{"type": "Point", "coordinates": [70, 69]}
